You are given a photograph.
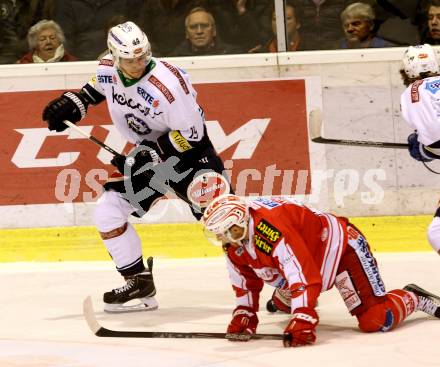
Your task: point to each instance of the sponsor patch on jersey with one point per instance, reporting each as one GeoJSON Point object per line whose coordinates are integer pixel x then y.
{"type": "Point", "coordinates": [164, 90]}
{"type": "Point", "coordinates": [176, 73]}
{"type": "Point", "coordinates": [106, 62]}
{"type": "Point", "coordinates": [267, 230]}
{"type": "Point", "coordinates": [262, 245]}
{"type": "Point", "coordinates": [433, 86]}
{"type": "Point", "coordinates": [179, 142]}
{"type": "Point", "coordinates": [415, 95]}
{"type": "Point", "coordinates": [268, 203]}
{"type": "Point", "coordinates": [106, 79]}
{"type": "Point", "coordinates": [147, 96]}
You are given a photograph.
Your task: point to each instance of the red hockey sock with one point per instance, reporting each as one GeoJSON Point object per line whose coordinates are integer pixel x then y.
{"type": "Point", "coordinates": [399, 304]}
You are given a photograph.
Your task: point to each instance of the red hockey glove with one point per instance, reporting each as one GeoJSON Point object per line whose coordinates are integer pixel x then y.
{"type": "Point", "coordinates": [301, 328]}
{"type": "Point", "coordinates": [243, 324]}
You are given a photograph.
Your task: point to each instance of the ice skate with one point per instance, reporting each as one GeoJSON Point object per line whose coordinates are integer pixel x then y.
{"type": "Point", "coordinates": [428, 302]}
{"type": "Point", "coordinates": [140, 287]}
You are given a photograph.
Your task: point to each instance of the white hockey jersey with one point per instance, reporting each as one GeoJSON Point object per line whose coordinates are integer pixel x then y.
{"type": "Point", "coordinates": [420, 105]}
{"type": "Point", "coordinates": [163, 100]}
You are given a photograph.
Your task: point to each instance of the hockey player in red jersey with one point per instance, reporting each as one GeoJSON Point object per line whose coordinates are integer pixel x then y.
{"type": "Point", "coordinates": [303, 252]}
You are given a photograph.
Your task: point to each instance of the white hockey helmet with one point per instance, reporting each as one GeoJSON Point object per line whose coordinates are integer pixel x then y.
{"type": "Point", "coordinates": [128, 41]}
{"type": "Point", "coordinates": [420, 59]}
{"type": "Point", "coordinates": [224, 212]}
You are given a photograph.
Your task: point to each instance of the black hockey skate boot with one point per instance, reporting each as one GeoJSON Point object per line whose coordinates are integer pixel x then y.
{"type": "Point", "coordinates": [428, 302]}
{"type": "Point", "coordinates": [139, 287]}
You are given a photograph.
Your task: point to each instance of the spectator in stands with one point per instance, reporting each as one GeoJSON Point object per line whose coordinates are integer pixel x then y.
{"type": "Point", "coordinates": [320, 24]}
{"type": "Point", "coordinates": [8, 35]}
{"type": "Point", "coordinates": [164, 23]}
{"type": "Point", "coordinates": [244, 23]}
{"type": "Point", "coordinates": [431, 33]}
{"type": "Point", "coordinates": [201, 36]}
{"type": "Point", "coordinates": [358, 24]}
{"type": "Point", "coordinates": [16, 17]}
{"type": "Point", "coordinates": [85, 23]}
{"type": "Point", "coordinates": [46, 44]}
{"type": "Point", "coordinates": [293, 24]}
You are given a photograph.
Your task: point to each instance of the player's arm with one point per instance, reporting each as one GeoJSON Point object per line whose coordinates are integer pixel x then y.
{"type": "Point", "coordinates": [421, 152]}
{"type": "Point", "coordinates": [72, 106]}
{"type": "Point", "coordinates": [247, 287]}
{"type": "Point", "coordinates": [305, 282]}
{"type": "Point", "coordinates": [434, 231]}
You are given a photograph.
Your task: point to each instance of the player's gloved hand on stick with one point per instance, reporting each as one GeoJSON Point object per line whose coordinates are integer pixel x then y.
{"type": "Point", "coordinates": [243, 324]}
{"type": "Point", "coordinates": [146, 152]}
{"type": "Point", "coordinates": [70, 106]}
{"type": "Point", "coordinates": [416, 149]}
{"type": "Point", "coordinates": [301, 328]}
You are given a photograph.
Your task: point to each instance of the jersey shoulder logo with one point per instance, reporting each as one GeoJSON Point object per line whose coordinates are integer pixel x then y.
{"type": "Point", "coordinates": [162, 88]}
{"type": "Point", "coordinates": [106, 62]}
{"type": "Point", "coordinates": [433, 86]}
{"type": "Point", "coordinates": [268, 231]}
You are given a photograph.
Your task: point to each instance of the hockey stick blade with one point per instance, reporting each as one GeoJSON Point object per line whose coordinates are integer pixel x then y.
{"type": "Point", "coordinates": [101, 331]}
{"type": "Point", "coordinates": [315, 127]}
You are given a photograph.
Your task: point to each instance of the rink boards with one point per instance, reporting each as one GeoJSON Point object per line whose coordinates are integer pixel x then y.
{"type": "Point", "coordinates": [385, 234]}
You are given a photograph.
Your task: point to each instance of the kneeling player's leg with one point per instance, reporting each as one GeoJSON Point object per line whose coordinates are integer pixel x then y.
{"type": "Point", "coordinates": [124, 246]}
{"type": "Point", "coordinates": [396, 307]}
{"type": "Point", "coordinates": [363, 290]}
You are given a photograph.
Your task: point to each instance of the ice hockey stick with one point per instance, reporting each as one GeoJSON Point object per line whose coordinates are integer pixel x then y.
{"type": "Point", "coordinates": [315, 127]}
{"type": "Point", "coordinates": [101, 331]}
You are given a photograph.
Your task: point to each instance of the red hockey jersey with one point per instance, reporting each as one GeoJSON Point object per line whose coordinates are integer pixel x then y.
{"type": "Point", "coordinates": [290, 247]}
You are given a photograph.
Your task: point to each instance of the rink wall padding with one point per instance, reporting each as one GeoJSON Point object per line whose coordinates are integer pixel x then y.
{"type": "Point", "coordinates": [256, 108]}
{"type": "Point", "coordinates": [185, 240]}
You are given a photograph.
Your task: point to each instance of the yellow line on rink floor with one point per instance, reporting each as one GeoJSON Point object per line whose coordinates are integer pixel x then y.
{"type": "Point", "coordinates": [185, 240]}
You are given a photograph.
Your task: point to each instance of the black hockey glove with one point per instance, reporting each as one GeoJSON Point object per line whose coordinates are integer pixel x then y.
{"type": "Point", "coordinates": [70, 106]}
{"type": "Point", "coordinates": [145, 152]}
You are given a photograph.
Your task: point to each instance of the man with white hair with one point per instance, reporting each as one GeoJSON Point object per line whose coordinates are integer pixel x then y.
{"type": "Point", "coordinates": [153, 106]}
{"type": "Point", "coordinates": [301, 253]}
{"type": "Point", "coordinates": [358, 24]}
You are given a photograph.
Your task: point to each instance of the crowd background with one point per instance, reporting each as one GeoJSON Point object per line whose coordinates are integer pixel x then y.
{"type": "Point", "coordinates": [69, 30]}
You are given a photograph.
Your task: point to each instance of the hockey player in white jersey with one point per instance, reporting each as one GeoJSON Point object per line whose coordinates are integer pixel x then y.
{"type": "Point", "coordinates": [153, 105]}
{"type": "Point", "coordinates": [420, 105]}
{"type": "Point", "coordinates": [420, 102]}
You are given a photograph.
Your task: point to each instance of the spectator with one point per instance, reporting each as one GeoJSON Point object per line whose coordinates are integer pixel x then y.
{"type": "Point", "coordinates": [8, 35]}
{"type": "Point", "coordinates": [85, 21]}
{"type": "Point", "coordinates": [431, 33]}
{"type": "Point", "coordinates": [16, 17]}
{"type": "Point", "coordinates": [164, 23]}
{"type": "Point", "coordinates": [358, 24]}
{"type": "Point", "coordinates": [320, 24]}
{"type": "Point", "coordinates": [46, 44]}
{"type": "Point", "coordinates": [201, 36]}
{"type": "Point", "coordinates": [293, 24]}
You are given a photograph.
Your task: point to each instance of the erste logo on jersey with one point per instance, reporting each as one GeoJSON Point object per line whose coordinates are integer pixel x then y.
{"type": "Point", "coordinates": [148, 97]}
{"type": "Point", "coordinates": [107, 79]}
